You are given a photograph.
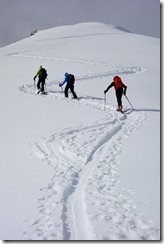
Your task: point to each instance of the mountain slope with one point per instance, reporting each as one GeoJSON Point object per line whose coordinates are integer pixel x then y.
{"type": "Point", "coordinates": [79, 170]}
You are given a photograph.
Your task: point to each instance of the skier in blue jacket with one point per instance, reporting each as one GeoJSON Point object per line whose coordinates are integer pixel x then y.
{"type": "Point", "coordinates": [69, 79]}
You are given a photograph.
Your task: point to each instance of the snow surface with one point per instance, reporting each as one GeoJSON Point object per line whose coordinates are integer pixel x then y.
{"type": "Point", "coordinates": [77, 169]}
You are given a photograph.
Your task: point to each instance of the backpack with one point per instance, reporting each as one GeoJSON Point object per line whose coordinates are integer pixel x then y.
{"type": "Point", "coordinates": [117, 82]}
{"type": "Point", "coordinates": [43, 73]}
{"type": "Point", "coordinates": [71, 79]}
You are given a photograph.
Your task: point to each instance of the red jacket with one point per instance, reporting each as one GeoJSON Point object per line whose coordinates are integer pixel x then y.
{"type": "Point", "coordinates": [117, 82]}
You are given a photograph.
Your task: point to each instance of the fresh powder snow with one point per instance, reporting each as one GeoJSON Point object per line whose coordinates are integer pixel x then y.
{"type": "Point", "coordinates": [78, 169]}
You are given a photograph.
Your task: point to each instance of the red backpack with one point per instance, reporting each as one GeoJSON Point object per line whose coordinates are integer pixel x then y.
{"type": "Point", "coordinates": [117, 82]}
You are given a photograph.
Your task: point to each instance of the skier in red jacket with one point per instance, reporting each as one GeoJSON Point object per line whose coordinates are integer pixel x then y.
{"type": "Point", "coordinates": [120, 89]}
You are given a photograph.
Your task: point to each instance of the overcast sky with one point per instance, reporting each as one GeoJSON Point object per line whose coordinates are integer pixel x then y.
{"type": "Point", "coordinates": [18, 18]}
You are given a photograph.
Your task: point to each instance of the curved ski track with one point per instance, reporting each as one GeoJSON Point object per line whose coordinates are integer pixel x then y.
{"type": "Point", "coordinates": [82, 194]}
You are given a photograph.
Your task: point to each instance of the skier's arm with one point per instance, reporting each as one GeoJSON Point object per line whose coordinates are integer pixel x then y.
{"type": "Point", "coordinates": [65, 80]}
{"type": "Point", "coordinates": [125, 88]}
{"type": "Point", "coordinates": [38, 72]}
{"type": "Point", "coordinates": [112, 84]}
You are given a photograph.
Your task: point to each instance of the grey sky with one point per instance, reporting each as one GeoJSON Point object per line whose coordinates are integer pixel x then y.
{"type": "Point", "coordinates": [18, 18]}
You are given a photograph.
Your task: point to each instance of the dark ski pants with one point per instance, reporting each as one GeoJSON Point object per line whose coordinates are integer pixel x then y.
{"type": "Point", "coordinates": [40, 84]}
{"type": "Point", "coordinates": [71, 87]}
{"type": "Point", "coordinates": [119, 93]}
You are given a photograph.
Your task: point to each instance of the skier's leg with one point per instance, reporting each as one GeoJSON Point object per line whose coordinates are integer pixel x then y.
{"type": "Point", "coordinates": [42, 85]}
{"type": "Point", "coordinates": [73, 92]}
{"type": "Point", "coordinates": [119, 98]}
{"type": "Point", "coordinates": [38, 84]}
{"type": "Point", "coordinates": [66, 90]}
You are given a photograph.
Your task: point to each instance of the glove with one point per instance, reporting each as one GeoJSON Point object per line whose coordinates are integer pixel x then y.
{"type": "Point", "coordinates": [124, 93]}
{"type": "Point", "coordinates": [34, 78]}
{"type": "Point", "coordinates": [60, 85]}
{"type": "Point", "coordinates": [105, 92]}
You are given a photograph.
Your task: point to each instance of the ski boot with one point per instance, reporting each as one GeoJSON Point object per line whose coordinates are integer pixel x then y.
{"type": "Point", "coordinates": [119, 109]}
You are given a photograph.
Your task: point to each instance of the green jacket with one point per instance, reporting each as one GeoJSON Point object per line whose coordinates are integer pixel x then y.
{"type": "Point", "coordinates": [38, 72]}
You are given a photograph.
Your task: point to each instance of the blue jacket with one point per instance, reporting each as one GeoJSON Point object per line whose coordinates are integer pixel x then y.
{"type": "Point", "coordinates": [65, 79]}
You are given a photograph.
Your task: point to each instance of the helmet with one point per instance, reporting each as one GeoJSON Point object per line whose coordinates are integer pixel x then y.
{"type": "Point", "coordinates": [40, 67]}
{"type": "Point", "coordinates": [66, 74]}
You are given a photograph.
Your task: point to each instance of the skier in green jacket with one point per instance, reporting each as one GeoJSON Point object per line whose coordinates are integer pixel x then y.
{"type": "Point", "coordinates": [42, 75]}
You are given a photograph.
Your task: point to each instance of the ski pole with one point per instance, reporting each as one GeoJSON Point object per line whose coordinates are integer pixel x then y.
{"type": "Point", "coordinates": [129, 102]}
{"type": "Point", "coordinates": [34, 85]}
{"type": "Point", "coordinates": [62, 88]}
{"type": "Point", "coordinates": [104, 101]}
{"type": "Point", "coordinates": [45, 86]}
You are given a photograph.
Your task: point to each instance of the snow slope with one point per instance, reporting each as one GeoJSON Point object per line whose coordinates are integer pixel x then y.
{"type": "Point", "coordinates": [77, 169]}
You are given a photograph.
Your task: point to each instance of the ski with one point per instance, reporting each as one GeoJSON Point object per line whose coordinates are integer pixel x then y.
{"type": "Point", "coordinates": [73, 98]}
{"type": "Point", "coordinates": [121, 111]}
{"type": "Point", "coordinates": [41, 93]}
{"type": "Point", "coordinates": [126, 111]}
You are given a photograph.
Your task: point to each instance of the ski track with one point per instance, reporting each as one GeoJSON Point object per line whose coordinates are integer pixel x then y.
{"type": "Point", "coordinates": [85, 162]}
